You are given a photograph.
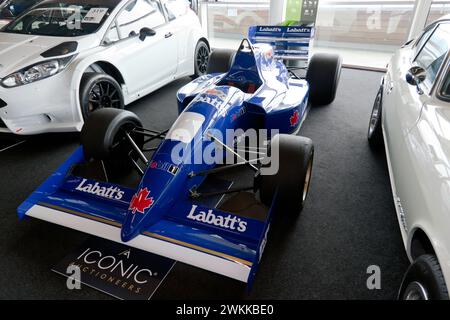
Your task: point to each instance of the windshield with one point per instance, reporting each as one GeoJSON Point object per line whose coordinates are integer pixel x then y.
{"type": "Point", "coordinates": [63, 19]}
{"type": "Point", "coordinates": [12, 8]}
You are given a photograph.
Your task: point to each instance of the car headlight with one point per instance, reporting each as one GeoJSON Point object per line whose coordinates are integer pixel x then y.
{"type": "Point", "coordinates": [36, 72]}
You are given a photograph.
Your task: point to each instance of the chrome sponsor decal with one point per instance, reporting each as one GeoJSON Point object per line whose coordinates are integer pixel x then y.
{"type": "Point", "coordinates": [401, 213]}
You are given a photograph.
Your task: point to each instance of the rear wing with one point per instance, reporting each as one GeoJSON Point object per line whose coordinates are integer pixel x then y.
{"type": "Point", "coordinates": [289, 43]}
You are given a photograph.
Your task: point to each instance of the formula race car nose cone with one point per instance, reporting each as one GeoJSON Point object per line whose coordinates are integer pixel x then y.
{"type": "Point", "coordinates": [138, 210]}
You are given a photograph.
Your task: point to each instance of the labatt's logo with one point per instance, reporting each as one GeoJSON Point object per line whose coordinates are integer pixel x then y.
{"type": "Point", "coordinates": [298, 30]}
{"type": "Point", "coordinates": [229, 222]}
{"type": "Point", "coordinates": [98, 190]}
{"type": "Point", "coordinates": [269, 29]}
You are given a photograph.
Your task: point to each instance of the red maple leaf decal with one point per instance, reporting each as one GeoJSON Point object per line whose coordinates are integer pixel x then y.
{"type": "Point", "coordinates": [140, 202]}
{"type": "Point", "coordinates": [295, 119]}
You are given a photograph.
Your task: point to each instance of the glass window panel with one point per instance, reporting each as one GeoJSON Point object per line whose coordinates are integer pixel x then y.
{"type": "Point", "coordinates": [445, 92]}
{"type": "Point", "coordinates": [228, 21]}
{"type": "Point", "coordinates": [433, 53]}
{"type": "Point", "coordinates": [364, 32]}
{"type": "Point", "coordinates": [438, 9]}
{"type": "Point", "coordinates": [139, 14]}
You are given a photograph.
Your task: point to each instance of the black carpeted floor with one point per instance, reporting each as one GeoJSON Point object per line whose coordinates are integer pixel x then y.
{"type": "Point", "coordinates": [348, 224]}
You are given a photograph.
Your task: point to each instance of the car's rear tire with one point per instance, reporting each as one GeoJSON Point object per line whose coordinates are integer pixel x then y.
{"type": "Point", "coordinates": [103, 137]}
{"type": "Point", "coordinates": [220, 61]}
{"type": "Point", "coordinates": [323, 75]}
{"type": "Point", "coordinates": [201, 59]}
{"type": "Point", "coordinates": [424, 280]}
{"type": "Point", "coordinates": [99, 91]}
{"type": "Point", "coordinates": [288, 188]}
{"type": "Point", "coordinates": [375, 132]}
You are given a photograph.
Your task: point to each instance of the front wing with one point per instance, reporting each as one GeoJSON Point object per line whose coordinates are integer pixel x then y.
{"type": "Point", "coordinates": [57, 202]}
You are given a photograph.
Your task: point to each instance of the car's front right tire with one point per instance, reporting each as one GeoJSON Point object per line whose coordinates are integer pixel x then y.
{"type": "Point", "coordinates": [201, 56]}
{"type": "Point", "coordinates": [287, 188]}
{"type": "Point", "coordinates": [424, 280]}
{"type": "Point", "coordinates": [99, 91]}
{"type": "Point", "coordinates": [220, 61]}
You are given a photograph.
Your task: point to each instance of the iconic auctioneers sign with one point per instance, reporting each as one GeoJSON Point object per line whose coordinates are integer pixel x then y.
{"type": "Point", "coordinates": [122, 272]}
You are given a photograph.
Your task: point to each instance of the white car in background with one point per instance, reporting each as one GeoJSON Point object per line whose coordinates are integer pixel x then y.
{"type": "Point", "coordinates": [62, 60]}
{"type": "Point", "coordinates": [411, 116]}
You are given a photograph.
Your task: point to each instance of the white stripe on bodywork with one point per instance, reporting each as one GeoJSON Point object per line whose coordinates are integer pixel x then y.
{"type": "Point", "coordinates": [180, 253]}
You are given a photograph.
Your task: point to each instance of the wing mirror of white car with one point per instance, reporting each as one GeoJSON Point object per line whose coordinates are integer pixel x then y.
{"type": "Point", "coordinates": [415, 76]}
{"type": "Point", "coordinates": [146, 32]}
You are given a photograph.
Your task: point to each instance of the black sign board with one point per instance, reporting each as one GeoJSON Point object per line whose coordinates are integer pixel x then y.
{"type": "Point", "coordinates": [120, 271]}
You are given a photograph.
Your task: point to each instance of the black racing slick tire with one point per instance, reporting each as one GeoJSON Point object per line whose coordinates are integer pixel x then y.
{"type": "Point", "coordinates": [424, 280]}
{"type": "Point", "coordinates": [288, 188]}
{"type": "Point", "coordinates": [99, 91]}
{"type": "Point", "coordinates": [201, 59]}
{"type": "Point", "coordinates": [323, 75]}
{"type": "Point", "coordinates": [103, 137]}
{"type": "Point", "coordinates": [375, 131]}
{"type": "Point", "coordinates": [220, 61]}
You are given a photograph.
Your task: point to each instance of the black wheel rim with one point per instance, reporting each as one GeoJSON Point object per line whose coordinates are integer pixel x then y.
{"type": "Point", "coordinates": [103, 94]}
{"type": "Point", "coordinates": [202, 59]}
{"type": "Point", "coordinates": [416, 291]}
{"type": "Point", "coordinates": [375, 116]}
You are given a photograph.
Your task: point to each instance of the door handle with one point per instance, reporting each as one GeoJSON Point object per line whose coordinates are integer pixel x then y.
{"type": "Point", "coordinates": [390, 87]}
{"type": "Point", "coordinates": [168, 35]}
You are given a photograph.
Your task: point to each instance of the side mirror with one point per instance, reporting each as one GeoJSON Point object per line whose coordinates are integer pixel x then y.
{"type": "Point", "coordinates": [146, 32]}
{"type": "Point", "coordinates": [415, 76]}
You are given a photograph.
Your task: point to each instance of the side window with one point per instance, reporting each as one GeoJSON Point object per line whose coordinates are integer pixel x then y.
{"type": "Point", "coordinates": [433, 53]}
{"type": "Point", "coordinates": [176, 8]}
{"type": "Point", "coordinates": [424, 38]}
{"type": "Point", "coordinates": [112, 35]}
{"type": "Point", "coordinates": [139, 14]}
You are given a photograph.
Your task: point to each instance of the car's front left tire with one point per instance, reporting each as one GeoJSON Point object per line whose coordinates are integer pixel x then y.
{"type": "Point", "coordinates": [323, 75]}
{"type": "Point", "coordinates": [375, 132]}
{"type": "Point", "coordinates": [424, 280]}
{"type": "Point", "coordinates": [99, 91]}
{"type": "Point", "coordinates": [103, 137]}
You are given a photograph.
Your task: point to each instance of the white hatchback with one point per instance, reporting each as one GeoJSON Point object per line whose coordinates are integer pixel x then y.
{"type": "Point", "coordinates": [411, 117]}
{"type": "Point", "coordinates": [62, 60]}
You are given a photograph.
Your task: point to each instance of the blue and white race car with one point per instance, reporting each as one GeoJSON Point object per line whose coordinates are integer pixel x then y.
{"type": "Point", "coordinates": [211, 214]}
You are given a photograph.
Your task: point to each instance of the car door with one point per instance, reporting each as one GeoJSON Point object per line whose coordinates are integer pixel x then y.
{"type": "Point", "coordinates": [148, 64]}
{"type": "Point", "coordinates": [403, 105]}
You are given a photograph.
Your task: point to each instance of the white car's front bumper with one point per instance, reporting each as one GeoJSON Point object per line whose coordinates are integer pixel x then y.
{"type": "Point", "coordinates": [49, 105]}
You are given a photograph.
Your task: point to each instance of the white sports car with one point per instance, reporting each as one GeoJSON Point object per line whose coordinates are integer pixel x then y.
{"type": "Point", "coordinates": [62, 60]}
{"type": "Point", "coordinates": [411, 116]}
